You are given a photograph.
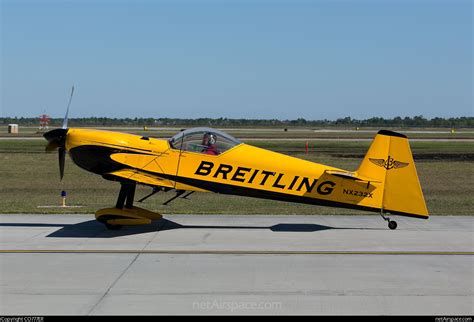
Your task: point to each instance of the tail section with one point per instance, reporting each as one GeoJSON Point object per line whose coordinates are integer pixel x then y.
{"type": "Point", "coordinates": [390, 162]}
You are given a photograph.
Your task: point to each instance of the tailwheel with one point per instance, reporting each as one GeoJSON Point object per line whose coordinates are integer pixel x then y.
{"type": "Point", "coordinates": [392, 224]}
{"type": "Point", "coordinates": [113, 227]}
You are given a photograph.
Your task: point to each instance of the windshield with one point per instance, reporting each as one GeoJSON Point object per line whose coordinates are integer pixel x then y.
{"type": "Point", "coordinates": [203, 140]}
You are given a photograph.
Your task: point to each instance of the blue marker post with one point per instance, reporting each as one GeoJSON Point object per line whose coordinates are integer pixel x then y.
{"type": "Point", "coordinates": [63, 196]}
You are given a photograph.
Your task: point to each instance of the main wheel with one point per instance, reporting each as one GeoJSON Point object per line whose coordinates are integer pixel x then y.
{"type": "Point", "coordinates": [392, 225]}
{"type": "Point", "coordinates": [113, 227]}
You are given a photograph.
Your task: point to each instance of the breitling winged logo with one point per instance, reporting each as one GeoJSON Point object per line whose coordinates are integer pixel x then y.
{"type": "Point", "coordinates": [388, 164]}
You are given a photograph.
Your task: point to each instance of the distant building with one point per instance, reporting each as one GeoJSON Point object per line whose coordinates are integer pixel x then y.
{"type": "Point", "coordinates": [13, 128]}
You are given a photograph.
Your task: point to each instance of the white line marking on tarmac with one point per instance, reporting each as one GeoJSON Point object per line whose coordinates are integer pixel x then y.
{"type": "Point", "coordinates": [229, 252]}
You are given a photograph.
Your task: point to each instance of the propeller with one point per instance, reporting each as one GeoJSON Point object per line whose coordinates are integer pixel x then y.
{"type": "Point", "coordinates": [57, 140]}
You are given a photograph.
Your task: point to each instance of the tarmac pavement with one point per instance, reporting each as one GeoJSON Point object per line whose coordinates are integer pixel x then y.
{"type": "Point", "coordinates": [199, 264]}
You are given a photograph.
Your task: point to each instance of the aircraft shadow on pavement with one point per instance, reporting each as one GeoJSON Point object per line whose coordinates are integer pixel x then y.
{"type": "Point", "coordinates": [94, 229]}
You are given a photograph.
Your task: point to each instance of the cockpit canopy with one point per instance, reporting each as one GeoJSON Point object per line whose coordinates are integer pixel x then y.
{"type": "Point", "coordinates": [203, 140]}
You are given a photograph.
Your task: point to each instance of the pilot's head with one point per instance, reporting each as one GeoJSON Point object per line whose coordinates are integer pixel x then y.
{"type": "Point", "coordinates": [208, 139]}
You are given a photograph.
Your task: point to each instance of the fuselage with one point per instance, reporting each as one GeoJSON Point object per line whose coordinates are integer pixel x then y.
{"type": "Point", "coordinates": [241, 170]}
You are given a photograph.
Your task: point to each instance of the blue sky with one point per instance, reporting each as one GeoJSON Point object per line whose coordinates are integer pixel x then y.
{"type": "Point", "coordinates": [237, 59]}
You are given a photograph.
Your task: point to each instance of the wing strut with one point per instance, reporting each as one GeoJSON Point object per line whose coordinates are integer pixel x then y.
{"type": "Point", "coordinates": [155, 190]}
{"type": "Point", "coordinates": [178, 193]}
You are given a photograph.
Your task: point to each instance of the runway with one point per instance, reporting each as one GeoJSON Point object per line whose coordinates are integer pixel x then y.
{"type": "Point", "coordinates": [198, 264]}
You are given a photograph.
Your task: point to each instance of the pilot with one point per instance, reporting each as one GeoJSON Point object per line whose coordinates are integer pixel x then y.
{"type": "Point", "coordinates": [209, 143]}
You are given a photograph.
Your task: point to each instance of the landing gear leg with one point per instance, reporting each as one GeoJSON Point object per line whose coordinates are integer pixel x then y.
{"type": "Point", "coordinates": [392, 224]}
{"type": "Point", "coordinates": [125, 199]}
{"type": "Point", "coordinates": [126, 195]}
{"type": "Point", "coordinates": [124, 212]}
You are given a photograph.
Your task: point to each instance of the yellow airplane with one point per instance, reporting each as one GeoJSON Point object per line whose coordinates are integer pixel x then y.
{"type": "Point", "coordinates": [208, 160]}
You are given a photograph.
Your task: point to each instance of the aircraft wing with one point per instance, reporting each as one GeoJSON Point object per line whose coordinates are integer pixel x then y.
{"type": "Point", "coordinates": [146, 169]}
{"type": "Point", "coordinates": [142, 177]}
{"type": "Point", "coordinates": [152, 180]}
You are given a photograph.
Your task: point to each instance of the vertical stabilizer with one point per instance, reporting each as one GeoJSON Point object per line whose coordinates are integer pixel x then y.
{"type": "Point", "coordinates": [390, 161]}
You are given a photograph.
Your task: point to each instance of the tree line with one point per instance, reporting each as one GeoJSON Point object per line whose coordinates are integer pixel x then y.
{"type": "Point", "coordinates": [416, 121]}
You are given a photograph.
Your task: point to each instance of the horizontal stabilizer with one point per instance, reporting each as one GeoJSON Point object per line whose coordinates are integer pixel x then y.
{"type": "Point", "coordinates": [351, 175]}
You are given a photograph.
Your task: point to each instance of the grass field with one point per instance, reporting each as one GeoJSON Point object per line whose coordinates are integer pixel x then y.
{"type": "Point", "coordinates": [30, 178]}
{"type": "Point", "coordinates": [291, 133]}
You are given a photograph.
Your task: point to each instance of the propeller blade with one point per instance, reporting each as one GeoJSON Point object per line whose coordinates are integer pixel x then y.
{"type": "Point", "coordinates": [62, 160]}
{"type": "Point", "coordinates": [67, 110]}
